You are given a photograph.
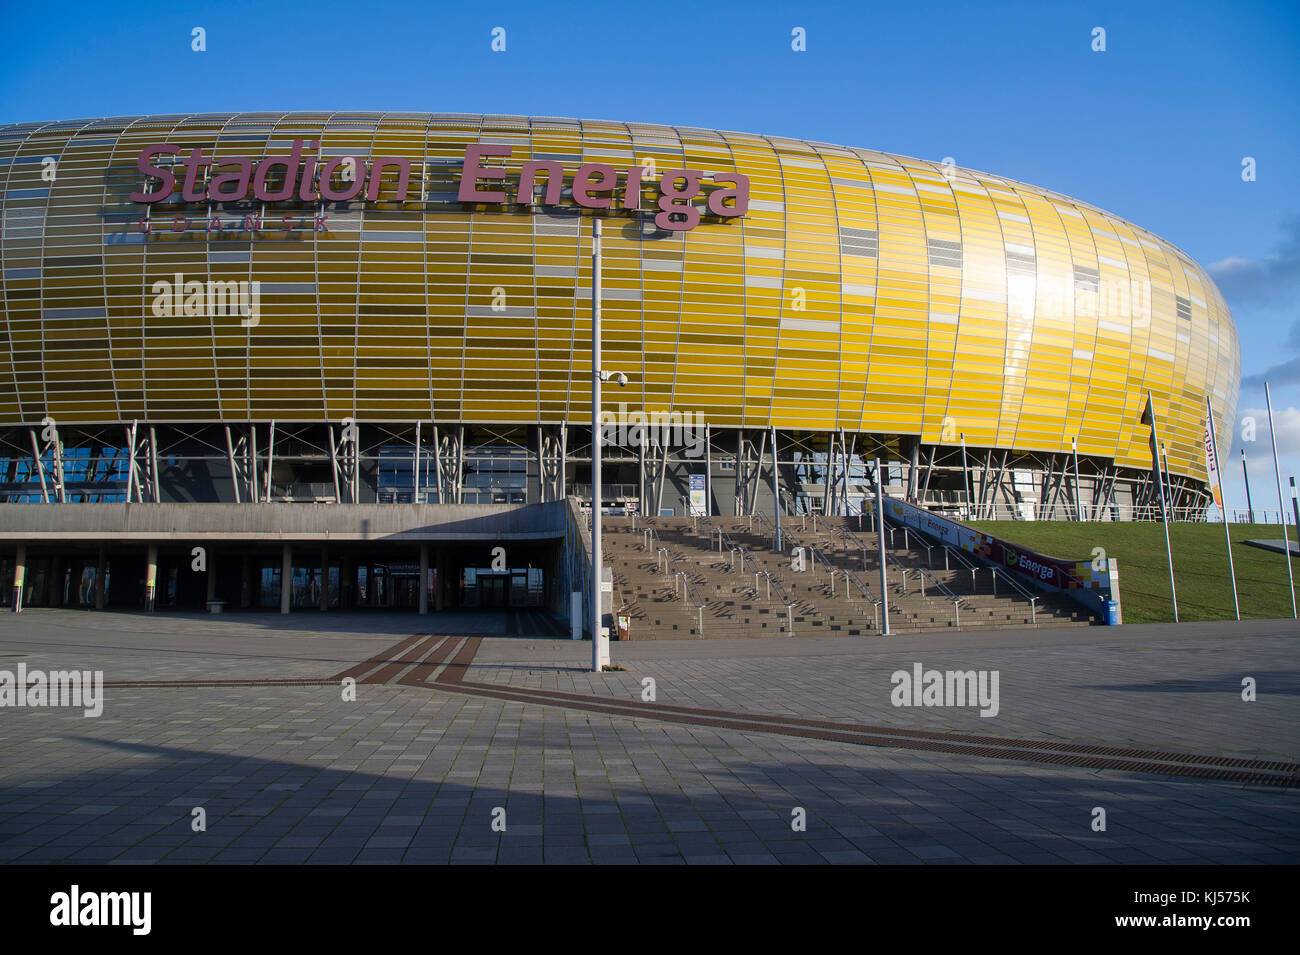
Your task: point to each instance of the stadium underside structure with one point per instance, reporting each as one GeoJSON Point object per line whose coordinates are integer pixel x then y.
{"type": "Point", "coordinates": [736, 471]}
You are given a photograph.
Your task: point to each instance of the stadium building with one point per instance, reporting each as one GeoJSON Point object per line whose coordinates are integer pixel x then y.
{"type": "Point", "coordinates": [329, 328]}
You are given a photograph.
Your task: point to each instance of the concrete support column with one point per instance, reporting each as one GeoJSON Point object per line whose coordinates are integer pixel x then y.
{"type": "Point", "coordinates": [324, 578]}
{"type": "Point", "coordinates": [20, 577]}
{"type": "Point", "coordinates": [424, 573]}
{"type": "Point", "coordinates": [101, 573]}
{"type": "Point", "coordinates": [286, 577]}
{"type": "Point", "coordinates": [372, 592]}
{"type": "Point", "coordinates": [347, 583]}
{"type": "Point", "coordinates": [212, 576]}
{"type": "Point", "coordinates": [151, 578]}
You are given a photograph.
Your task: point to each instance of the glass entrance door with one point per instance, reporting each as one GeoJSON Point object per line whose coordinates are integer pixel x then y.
{"type": "Point", "coordinates": [492, 591]}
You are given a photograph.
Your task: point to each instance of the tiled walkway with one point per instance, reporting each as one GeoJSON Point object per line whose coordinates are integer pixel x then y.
{"type": "Point", "coordinates": [414, 769]}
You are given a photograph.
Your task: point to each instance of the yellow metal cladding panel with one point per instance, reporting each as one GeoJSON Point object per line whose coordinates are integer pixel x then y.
{"type": "Point", "coordinates": [861, 290]}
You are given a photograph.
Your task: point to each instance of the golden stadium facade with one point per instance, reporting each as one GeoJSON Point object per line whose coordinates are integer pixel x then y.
{"type": "Point", "coordinates": [991, 341]}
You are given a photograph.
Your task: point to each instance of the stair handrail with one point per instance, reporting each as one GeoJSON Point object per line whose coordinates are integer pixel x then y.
{"type": "Point", "coordinates": [935, 583]}
{"type": "Point", "coordinates": [767, 525]}
{"type": "Point", "coordinates": [687, 583]}
{"type": "Point", "coordinates": [1015, 584]}
{"type": "Point", "coordinates": [779, 587]}
{"type": "Point", "coordinates": [863, 587]}
{"type": "Point", "coordinates": [966, 562]}
{"type": "Point", "coordinates": [745, 553]}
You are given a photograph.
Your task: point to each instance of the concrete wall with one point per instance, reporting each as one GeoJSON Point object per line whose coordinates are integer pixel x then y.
{"type": "Point", "coordinates": [573, 568]}
{"type": "Point", "coordinates": [290, 522]}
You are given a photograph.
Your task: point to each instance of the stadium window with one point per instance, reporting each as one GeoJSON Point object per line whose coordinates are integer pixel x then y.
{"type": "Point", "coordinates": [864, 242]}
{"type": "Point", "coordinates": [1018, 263]}
{"type": "Point", "coordinates": [944, 253]}
{"type": "Point", "coordinates": [1086, 279]}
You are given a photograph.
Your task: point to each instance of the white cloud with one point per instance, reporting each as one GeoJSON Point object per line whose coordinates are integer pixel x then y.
{"type": "Point", "coordinates": [1271, 280]}
{"type": "Point", "coordinates": [1283, 373]}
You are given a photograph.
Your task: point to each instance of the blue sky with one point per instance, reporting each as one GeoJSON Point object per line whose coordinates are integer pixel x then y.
{"type": "Point", "coordinates": [1154, 129]}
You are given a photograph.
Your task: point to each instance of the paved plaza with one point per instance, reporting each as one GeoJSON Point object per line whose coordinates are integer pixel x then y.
{"type": "Point", "coordinates": [463, 724]}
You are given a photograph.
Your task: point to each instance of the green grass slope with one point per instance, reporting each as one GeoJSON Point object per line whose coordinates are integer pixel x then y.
{"type": "Point", "coordinates": [1200, 564]}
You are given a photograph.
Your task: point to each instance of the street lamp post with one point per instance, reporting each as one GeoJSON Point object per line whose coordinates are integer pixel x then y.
{"type": "Point", "coordinates": [599, 643]}
{"type": "Point", "coordinates": [597, 576]}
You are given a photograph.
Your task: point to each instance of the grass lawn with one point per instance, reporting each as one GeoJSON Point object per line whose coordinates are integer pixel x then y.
{"type": "Point", "coordinates": [1200, 564]}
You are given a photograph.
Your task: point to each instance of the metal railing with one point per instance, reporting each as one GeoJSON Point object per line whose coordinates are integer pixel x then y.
{"type": "Point", "coordinates": [608, 492]}
{"type": "Point", "coordinates": [969, 565]}
{"type": "Point", "coordinates": [955, 554]}
{"type": "Point", "coordinates": [1064, 511]}
{"type": "Point", "coordinates": [851, 540]}
{"type": "Point", "coordinates": [1020, 589]}
{"type": "Point", "coordinates": [683, 585]}
{"type": "Point", "coordinates": [1011, 582]}
{"type": "Point", "coordinates": [784, 596]}
{"type": "Point", "coordinates": [774, 582]}
{"type": "Point", "coordinates": [851, 579]}
{"type": "Point", "coordinates": [935, 584]}
{"type": "Point", "coordinates": [766, 525]}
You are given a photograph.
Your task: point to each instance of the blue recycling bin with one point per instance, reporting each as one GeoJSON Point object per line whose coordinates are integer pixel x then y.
{"type": "Point", "coordinates": [1112, 613]}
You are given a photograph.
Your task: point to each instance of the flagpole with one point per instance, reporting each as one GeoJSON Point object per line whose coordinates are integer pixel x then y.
{"type": "Point", "coordinates": [1164, 512]}
{"type": "Point", "coordinates": [965, 481]}
{"type": "Point", "coordinates": [1169, 484]}
{"type": "Point", "coordinates": [1250, 508]}
{"type": "Point", "coordinates": [1078, 499]}
{"type": "Point", "coordinates": [1217, 491]}
{"type": "Point", "coordinates": [599, 643]}
{"type": "Point", "coordinates": [1281, 506]}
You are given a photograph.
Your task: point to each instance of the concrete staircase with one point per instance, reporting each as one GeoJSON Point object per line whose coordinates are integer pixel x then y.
{"type": "Point", "coordinates": [681, 586]}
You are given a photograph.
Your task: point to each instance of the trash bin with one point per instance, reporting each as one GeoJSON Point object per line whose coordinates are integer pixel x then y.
{"type": "Point", "coordinates": [624, 625]}
{"type": "Point", "coordinates": [1112, 613]}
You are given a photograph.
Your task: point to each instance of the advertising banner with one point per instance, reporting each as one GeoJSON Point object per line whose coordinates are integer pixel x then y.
{"type": "Point", "coordinates": [1045, 570]}
{"type": "Point", "coordinates": [940, 528]}
{"type": "Point", "coordinates": [1211, 457]}
{"type": "Point", "coordinates": [1089, 581]}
